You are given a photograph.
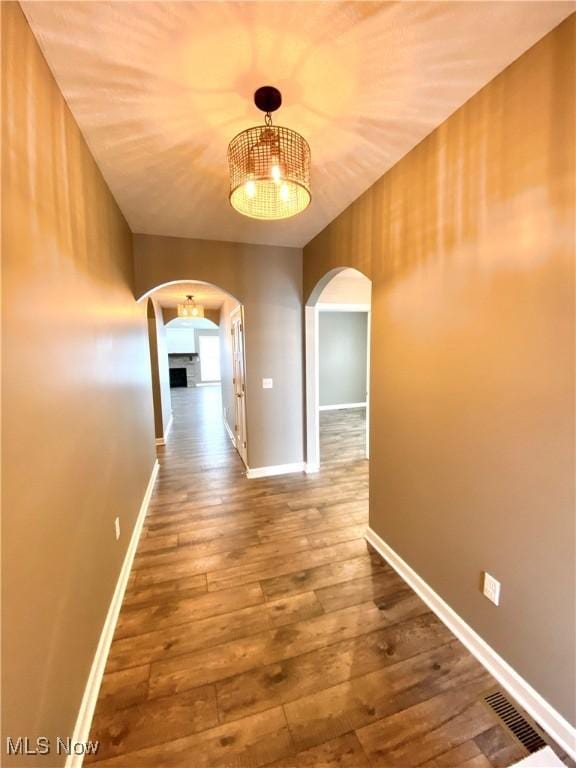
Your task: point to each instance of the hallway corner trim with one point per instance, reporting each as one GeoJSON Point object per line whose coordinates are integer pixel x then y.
{"type": "Point", "coordinates": [278, 469]}
{"type": "Point", "coordinates": [88, 704]}
{"type": "Point", "coordinates": [545, 715]}
{"type": "Point", "coordinates": [162, 440]}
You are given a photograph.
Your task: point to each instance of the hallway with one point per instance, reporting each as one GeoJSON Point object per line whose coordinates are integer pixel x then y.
{"type": "Point", "coordinates": [259, 629]}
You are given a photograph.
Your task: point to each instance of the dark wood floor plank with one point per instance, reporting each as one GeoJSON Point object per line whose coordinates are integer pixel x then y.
{"type": "Point", "coordinates": [321, 576]}
{"type": "Point", "coordinates": [499, 747]}
{"type": "Point", "coordinates": [154, 722]}
{"type": "Point", "coordinates": [343, 752]}
{"type": "Point", "coordinates": [259, 629]}
{"type": "Point", "coordinates": [124, 688]}
{"type": "Point", "coordinates": [153, 545]}
{"type": "Point", "coordinates": [428, 729]}
{"type": "Point", "coordinates": [337, 535]}
{"type": "Point", "coordinates": [238, 554]}
{"type": "Point", "coordinates": [364, 700]}
{"type": "Point", "coordinates": [253, 742]}
{"type": "Point", "coordinates": [212, 664]}
{"type": "Point", "coordinates": [210, 632]}
{"type": "Point", "coordinates": [393, 596]}
{"type": "Point", "coordinates": [295, 677]}
{"type": "Point", "coordinates": [275, 566]}
{"type": "Point", "coordinates": [138, 620]}
{"type": "Point", "coordinates": [466, 755]}
{"type": "Point", "coordinates": [175, 589]}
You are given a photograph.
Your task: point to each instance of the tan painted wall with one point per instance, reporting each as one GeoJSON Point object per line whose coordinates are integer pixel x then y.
{"type": "Point", "coordinates": [77, 428]}
{"type": "Point", "coordinates": [469, 242]}
{"type": "Point", "coordinates": [267, 280]}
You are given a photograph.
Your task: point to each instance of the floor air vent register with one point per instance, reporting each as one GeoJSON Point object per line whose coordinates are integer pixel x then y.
{"type": "Point", "coordinates": [514, 721]}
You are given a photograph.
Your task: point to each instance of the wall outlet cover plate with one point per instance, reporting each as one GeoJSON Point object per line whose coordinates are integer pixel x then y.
{"type": "Point", "coordinates": [491, 588]}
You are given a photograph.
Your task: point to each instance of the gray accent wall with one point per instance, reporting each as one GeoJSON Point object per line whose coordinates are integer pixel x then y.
{"type": "Point", "coordinates": [342, 353]}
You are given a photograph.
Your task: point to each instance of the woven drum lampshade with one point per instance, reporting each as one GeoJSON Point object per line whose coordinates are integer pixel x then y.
{"type": "Point", "coordinates": [269, 166]}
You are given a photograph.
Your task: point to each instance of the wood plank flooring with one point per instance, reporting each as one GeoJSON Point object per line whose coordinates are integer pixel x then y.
{"type": "Point", "coordinates": [259, 629]}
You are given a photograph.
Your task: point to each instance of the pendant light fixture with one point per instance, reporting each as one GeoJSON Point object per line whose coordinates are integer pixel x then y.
{"type": "Point", "coordinates": [190, 309]}
{"type": "Point", "coordinates": [269, 166]}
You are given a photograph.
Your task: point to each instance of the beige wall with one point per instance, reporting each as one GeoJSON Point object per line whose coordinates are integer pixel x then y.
{"type": "Point", "coordinates": [267, 280]}
{"type": "Point", "coordinates": [469, 242]}
{"type": "Point", "coordinates": [77, 428]}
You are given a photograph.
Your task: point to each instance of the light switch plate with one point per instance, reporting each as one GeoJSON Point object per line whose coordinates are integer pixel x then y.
{"type": "Point", "coordinates": [491, 588]}
{"type": "Point", "coordinates": [267, 383]}
{"type": "Point", "coordinates": [117, 527]}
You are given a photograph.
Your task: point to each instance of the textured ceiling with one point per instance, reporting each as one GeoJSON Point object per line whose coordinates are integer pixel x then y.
{"type": "Point", "coordinates": [159, 89]}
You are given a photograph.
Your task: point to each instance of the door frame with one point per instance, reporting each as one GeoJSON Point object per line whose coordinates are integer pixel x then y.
{"type": "Point", "coordinates": [312, 335]}
{"type": "Point", "coordinates": [237, 316]}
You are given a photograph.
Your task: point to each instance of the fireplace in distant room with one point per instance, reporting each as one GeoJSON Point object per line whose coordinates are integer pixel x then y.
{"type": "Point", "coordinates": [184, 369]}
{"type": "Point", "coordinates": [178, 377]}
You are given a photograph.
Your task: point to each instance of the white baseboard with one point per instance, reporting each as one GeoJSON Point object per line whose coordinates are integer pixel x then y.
{"type": "Point", "coordinates": [311, 468]}
{"type": "Point", "coordinates": [279, 469]}
{"type": "Point", "coordinates": [230, 433]}
{"type": "Point", "coordinates": [341, 406]}
{"type": "Point", "coordinates": [545, 715]}
{"type": "Point", "coordinates": [163, 440]}
{"type": "Point", "coordinates": [543, 758]}
{"type": "Point", "coordinates": [86, 713]}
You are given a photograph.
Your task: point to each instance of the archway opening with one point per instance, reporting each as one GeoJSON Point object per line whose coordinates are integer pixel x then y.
{"type": "Point", "coordinates": [338, 319]}
{"type": "Point", "coordinates": [202, 358]}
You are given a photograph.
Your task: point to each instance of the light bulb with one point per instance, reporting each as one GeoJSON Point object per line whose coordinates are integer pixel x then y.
{"type": "Point", "coordinates": [194, 312]}
{"type": "Point", "coordinates": [284, 193]}
{"type": "Point", "coordinates": [250, 188]}
{"type": "Point", "coordinates": [275, 173]}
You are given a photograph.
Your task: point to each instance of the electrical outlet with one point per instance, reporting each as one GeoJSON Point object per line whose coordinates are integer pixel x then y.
{"type": "Point", "coordinates": [491, 588]}
{"type": "Point", "coordinates": [117, 527]}
{"type": "Point", "coordinates": [267, 383]}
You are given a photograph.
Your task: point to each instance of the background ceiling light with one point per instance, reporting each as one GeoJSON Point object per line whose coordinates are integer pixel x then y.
{"type": "Point", "coordinates": [269, 166]}
{"type": "Point", "coordinates": [190, 309]}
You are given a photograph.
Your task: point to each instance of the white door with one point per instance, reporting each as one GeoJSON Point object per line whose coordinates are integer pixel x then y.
{"type": "Point", "coordinates": [209, 349]}
{"type": "Point", "coordinates": [239, 382]}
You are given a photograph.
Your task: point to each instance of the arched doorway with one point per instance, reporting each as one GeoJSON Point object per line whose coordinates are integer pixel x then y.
{"type": "Point", "coordinates": [203, 350]}
{"type": "Point", "coordinates": [337, 313]}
